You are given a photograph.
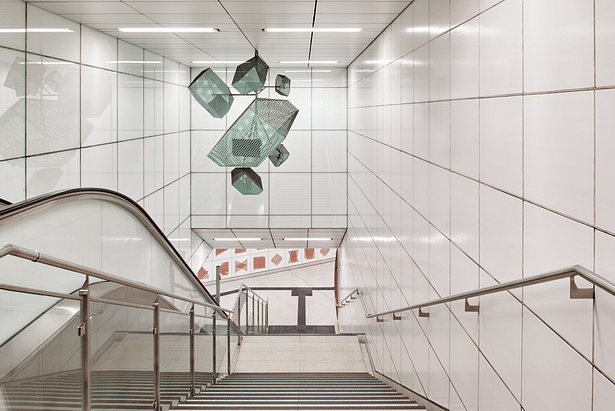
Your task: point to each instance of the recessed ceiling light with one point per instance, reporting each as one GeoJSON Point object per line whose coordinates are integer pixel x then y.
{"type": "Point", "coordinates": [35, 30]}
{"type": "Point", "coordinates": [307, 71]}
{"type": "Point", "coordinates": [238, 239]}
{"type": "Point", "coordinates": [309, 62]}
{"type": "Point", "coordinates": [49, 63]}
{"type": "Point", "coordinates": [312, 30]}
{"type": "Point", "coordinates": [217, 62]}
{"type": "Point", "coordinates": [169, 30]}
{"type": "Point", "coordinates": [134, 62]}
{"type": "Point", "coordinates": [307, 239]}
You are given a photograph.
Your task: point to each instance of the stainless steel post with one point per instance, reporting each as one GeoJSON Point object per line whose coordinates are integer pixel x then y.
{"type": "Point", "coordinates": [156, 332]}
{"type": "Point", "coordinates": [253, 322]}
{"type": "Point", "coordinates": [258, 316]}
{"type": "Point", "coordinates": [218, 284]}
{"type": "Point", "coordinates": [84, 333]}
{"type": "Point", "coordinates": [247, 315]}
{"type": "Point", "coordinates": [192, 384]}
{"type": "Point", "coordinates": [267, 317]}
{"type": "Point", "coordinates": [264, 330]}
{"type": "Point", "coordinates": [214, 346]}
{"type": "Point", "coordinates": [228, 345]}
{"type": "Point", "coordinates": [238, 317]}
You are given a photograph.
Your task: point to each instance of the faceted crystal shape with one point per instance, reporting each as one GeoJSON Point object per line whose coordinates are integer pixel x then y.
{"type": "Point", "coordinates": [259, 130]}
{"type": "Point", "coordinates": [246, 181]}
{"type": "Point", "coordinates": [279, 155]}
{"type": "Point", "coordinates": [211, 93]}
{"type": "Point", "coordinates": [251, 75]}
{"type": "Point", "coordinates": [282, 85]}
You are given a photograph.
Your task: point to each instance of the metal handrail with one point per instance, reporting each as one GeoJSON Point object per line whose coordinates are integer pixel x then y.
{"type": "Point", "coordinates": [356, 290]}
{"type": "Point", "coordinates": [38, 257]}
{"type": "Point", "coordinates": [251, 290]}
{"type": "Point", "coordinates": [568, 272]}
{"type": "Point", "coordinates": [25, 208]}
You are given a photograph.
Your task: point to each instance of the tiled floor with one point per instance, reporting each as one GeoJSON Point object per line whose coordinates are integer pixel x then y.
{"type": "Point", "coordinates": [310, 353]}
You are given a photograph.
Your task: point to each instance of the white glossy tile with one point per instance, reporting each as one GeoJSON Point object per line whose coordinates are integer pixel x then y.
{"type": "Point", "coordinates": [63, 45]}
{"type": "Point", "coordinates": [439, 133]}
{"type": "Point", "coordinates": [603, 392]}
{"type": "Point", "coordinates": [463, 10]}
{"type": "Point", "coordinates": [153, 164]}
{"type": "Point", "coordinates": [53, 122]}
{"type": "Point", "coordinates": [421, 131]}
{"type": "Point", "coordinates": [421, 64]}
{"type": "Point", "coordinates": [553, 61]}
{"type": "Point", "coordinates": [560, 173]}
{"type": "Point", "coordinates": [465, 214]}
{"type": "Point", "coordinates": [209, 193]}
{"type": "Point", "coordinates": [130, 107]}
{"type": "Point", "coordinates": [98, 49]}
{"type": "Point", "coordinates": [13, 17]}
{"type": "Point", "coordinates": [605, 149]}
{"type": "Point", "coordinates": [302, 99]}
{"type": "Point", "coordinates": [153, 107]}
{"type": "Point", "coordinates": [299, 145]}
{"type": "Point", "coordinates": [439, 199]}
{"type": "Point", "coordinates": [605, 258]}
{"type": "Point", "coordinates": [12, 103]}
{"type": "Point", "coordinates": [439, 67]}
{"type": "Point", "coordinates": [493, 394]}
{"type": "Point", "coordinates": [464, 366]}
{"type": "Point", "coordinates": [501, 234]}
{"type": "Point", "coordinates": [551, 369]}
{"type": "Point", "coordinates": [605, 33]}
{"type": "Point", "coordinates": [465, 59]}
{"type": "Point", "coordinates": [329, 108]}
{"type": "Point", "coordinates": [289, 194]}
{"type": "Point", "coordinates": [130, 59]}
{"type": "Point", "coordinates": [171, 157]}
{"type": "Point", "coordinates": [439, 264]}
{"type": "Point", "coordinates": [171, 108]}
{"type": "Point", "coordinates": [171, 207]}
{"type": "Point", "coordinates": [438, 17]}
{"type": "Point", "coordinates": [501, 49]}
{"type": "Point", "coordinates": [13, 174]}
{"type": "Point", "coordinates": [501, 143]}
{"type": "Point", "coordinates": [603, 332]}
{"type": "Point", "coordinates": [98, 106]}
{"type": "Point", "coordinates": [99, 167]}
{"type": "Point", "coordinates": [329, 193]}
{"type": "Point", "coordinates": [465, 147]}
{"type": "Point", "coordinates": [52, 172]}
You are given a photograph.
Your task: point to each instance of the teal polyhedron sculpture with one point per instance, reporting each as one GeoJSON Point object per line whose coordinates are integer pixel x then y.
{"type": "Point", "coordinates": [246, 181]}
{"type": "Point", "coordinates": [279, 155]}
{"type": "Point", "coordinates": [251, 75]}
{"type": "Point", "coordinates": [259, 130]}
{"type": "Point", "coordinates": [211, 93]}
{"type": "Point", "coordinates": [282, 85]}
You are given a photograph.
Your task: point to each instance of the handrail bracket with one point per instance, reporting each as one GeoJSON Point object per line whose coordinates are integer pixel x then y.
{"type": "Point", "coordinates": [577, 293]}
{"type": "Point", "coordinates": [423, 314]}
{"type": "Point", "coordinates": [471, 308]}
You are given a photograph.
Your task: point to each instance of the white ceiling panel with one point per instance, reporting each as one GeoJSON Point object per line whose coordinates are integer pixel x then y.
{"type": "Point", "coordinates": [240, 23]}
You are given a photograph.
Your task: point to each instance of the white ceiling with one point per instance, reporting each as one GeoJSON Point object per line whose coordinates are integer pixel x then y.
{"type": "Point", "coordinates": [271, 238]}
{"type": "Point", "coordinates": [240, 24]}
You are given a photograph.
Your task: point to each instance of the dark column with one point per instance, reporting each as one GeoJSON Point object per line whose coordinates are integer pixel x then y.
{"type": "Point", "coordinates": [301, 293]}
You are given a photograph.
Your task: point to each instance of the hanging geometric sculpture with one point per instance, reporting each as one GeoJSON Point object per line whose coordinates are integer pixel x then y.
{"type": "Point", "coordinates": [211, 93]}
{"type": "Point", "coordinates": [279, 155]}
{"type": "Point", "coordinates": [257, 133]}
{"type": "Point", "coordinates": [246, 181]}
{"type": "Point", "coordinates": [251, 75]}
{"type": "Point", "coordinates": [282, 85]}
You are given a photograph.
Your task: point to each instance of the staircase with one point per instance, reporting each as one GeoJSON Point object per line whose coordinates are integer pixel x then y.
{"type": "Point", "coordinates": [298, 391]}
{"type": "Point", "coordinates": [111, 390]}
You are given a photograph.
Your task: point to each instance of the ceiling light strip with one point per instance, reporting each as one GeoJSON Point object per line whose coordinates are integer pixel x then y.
{"type": "Point", "coordinates": [35, 30]}
{"type": "Point", "coordinates": [310, 62]}
{"type": "Point", "coordinates": [238, 239]}
{"type": "Point", "coordinates": [168, 30]}
{"type": "Point", "coordinates": [307, 239]}
{"type": "Point", "coordinates": [312, 30]}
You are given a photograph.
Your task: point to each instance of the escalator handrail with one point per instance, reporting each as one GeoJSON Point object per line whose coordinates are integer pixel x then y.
{"type": "Point", "coordinates": [25, 208]}
{"type": "Point", "coordinates": [38, 257]}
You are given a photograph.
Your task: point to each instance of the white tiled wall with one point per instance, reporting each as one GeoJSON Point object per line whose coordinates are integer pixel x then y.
{"type": "Point", "coordinates": [309, 189]}
{"type": "Point", "coordinates": [480, 151]}
{"type": "Point", "coordinates": [89, 121]}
